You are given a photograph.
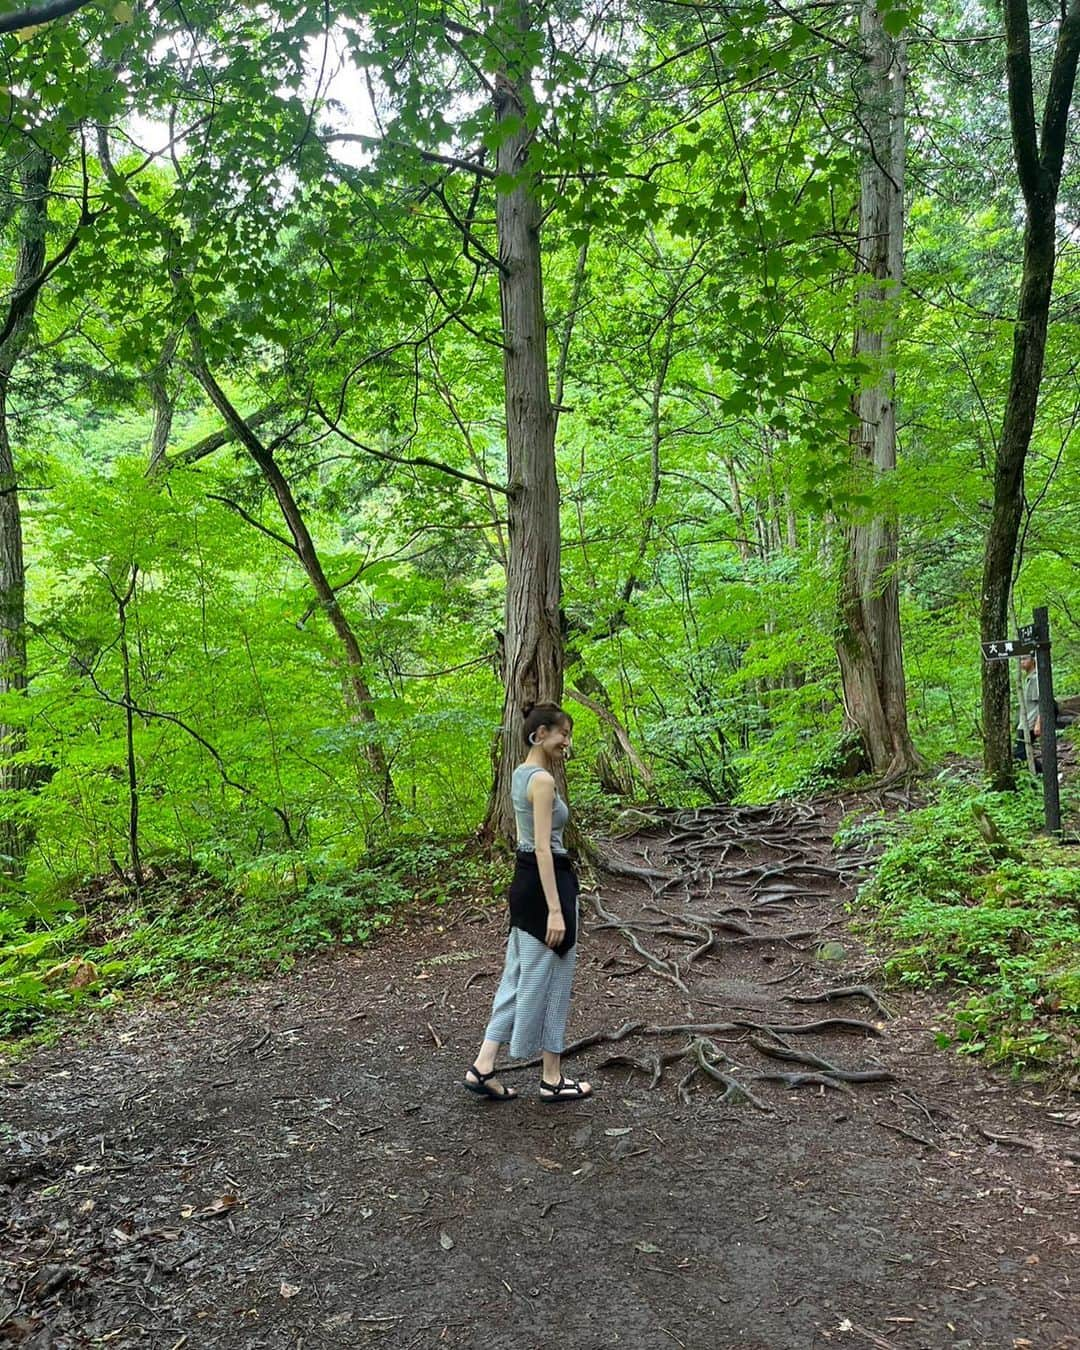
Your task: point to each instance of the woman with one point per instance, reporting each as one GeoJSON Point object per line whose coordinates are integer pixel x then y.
{"type": "Point", "coordinates": [533, 1000]}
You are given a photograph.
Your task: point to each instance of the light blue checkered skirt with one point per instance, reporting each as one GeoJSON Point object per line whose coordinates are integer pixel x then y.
{"type": "Point", "coordinates": [532, 1001]}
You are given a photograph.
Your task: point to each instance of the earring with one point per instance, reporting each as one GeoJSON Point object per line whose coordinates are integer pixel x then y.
{"type": "Point", "coordinates": [532, 738]}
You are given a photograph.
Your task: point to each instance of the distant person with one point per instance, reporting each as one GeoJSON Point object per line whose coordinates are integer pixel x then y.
{"type": "Point", "coordinates": [1028, 716]}
{"type": "Point", "coordinates": [533, 999]}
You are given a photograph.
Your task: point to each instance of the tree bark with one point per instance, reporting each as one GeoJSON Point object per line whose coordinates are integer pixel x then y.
{"type": "Point", "coordinates": [533, 639]}
{"type": "Point", "coordinates": [1038, 163]}
{"type": "Point", "coordinates": [164, 405]}
{"type": "Point", "coordinates": [868, 644]}
{"type": "Point", "coordinates": [16, 837]}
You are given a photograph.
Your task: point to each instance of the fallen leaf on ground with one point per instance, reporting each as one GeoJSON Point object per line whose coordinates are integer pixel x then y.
{"type": "Point", "coordinates": [221, 1205]}
{"type": "Point", "coordinates": [289, 1290]}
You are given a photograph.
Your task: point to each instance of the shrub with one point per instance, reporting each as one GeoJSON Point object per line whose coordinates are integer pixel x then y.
{"type": "Point", "coordinates": [992, 914]}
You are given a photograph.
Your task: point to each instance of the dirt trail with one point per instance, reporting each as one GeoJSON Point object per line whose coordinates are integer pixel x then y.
{"type": "Point", "coordinates": [296, 1165]}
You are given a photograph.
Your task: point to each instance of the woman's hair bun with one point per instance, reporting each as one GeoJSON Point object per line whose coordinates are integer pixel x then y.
{"type": "Point", "coordinates": [538, 715]}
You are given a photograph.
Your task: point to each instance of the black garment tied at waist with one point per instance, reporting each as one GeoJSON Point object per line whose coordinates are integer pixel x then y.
{"type": "Point", "coordinates": [528, 905]}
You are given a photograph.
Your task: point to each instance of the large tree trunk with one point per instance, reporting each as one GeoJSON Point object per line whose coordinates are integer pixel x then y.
{"type": "Point", "coordinates": [15, 838]}
{"type": "Point", "coordinates": [1038, 162]}
{"type": "Point", "coordinates": [533, 640]}
{"type": "Point", "coordinates": [868, 646]}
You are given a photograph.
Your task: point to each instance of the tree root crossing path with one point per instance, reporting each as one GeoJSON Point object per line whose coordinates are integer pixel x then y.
{"type": "Point", "coordinates": [778, 1153]}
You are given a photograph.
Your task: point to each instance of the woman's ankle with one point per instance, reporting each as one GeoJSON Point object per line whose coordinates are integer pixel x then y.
{"type": "Point", "coordinates": [486, 1056]}
{"type": "Point", "coordinates": [551, 1068]}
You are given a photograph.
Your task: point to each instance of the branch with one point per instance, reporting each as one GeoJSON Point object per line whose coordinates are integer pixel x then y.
{"type": "Point", "coordinates": [454, 314]}
{"type": "Point", "coordinates": [257, 524]}
{"type": "Point", "coordinates": [21, 302]}
{"type": "Point", "coordinates": [412, 461]}
{"type": "Point", "coordinates": [39, 14]}
{"type": "Point", "coordinates": [608, 717]}
{"type": "Point", "coordinates": [336, 590]}
{"type": "Point", "coordinates": [1059, 95]}
{"type": "Point", "coordinates": [1021, 98]}
{"type": "Point", "coordinates": [429, 156]}
{"type": "Point", "coordinates": [799, 21]}
{"type": "Point", "coordinates": [216, 439]}
{"type": "Point", "coordinates": [466, 233]}
{"type": "Point", "coordinates": [150, 714]}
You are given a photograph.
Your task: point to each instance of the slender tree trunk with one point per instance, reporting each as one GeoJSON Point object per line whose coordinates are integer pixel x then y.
{"type": "Point", "coordinates": [743, 543]}
{"type": "Point", "coordinates": [122, 602]}
{"type": "Point", "coordinates": [16, 837]}
{"type": "Point", "coordinates": [164, 404]}
{"type": "Point", "coordinates": [303, 545]}
{"type": "Point", "coordinates": [533, 639]}
{"type": "Point", "coordinates": [1039, 157]}
{"type": "Point", "coordinates": [616, 772]}
{"type": "Point", "coordinates": [774, 527]}
{"type": "Point", "coordinates": [791, 524]}
{"type": "Point", "coordinates": [868, 645]}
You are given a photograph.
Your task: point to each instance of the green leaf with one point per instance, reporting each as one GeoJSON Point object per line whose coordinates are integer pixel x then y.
{"type": "Point", "coordinates": [894, 21]}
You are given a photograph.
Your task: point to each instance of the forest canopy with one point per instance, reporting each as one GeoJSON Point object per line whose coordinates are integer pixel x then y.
{"type": "Point", "coordinates": [368, 370]}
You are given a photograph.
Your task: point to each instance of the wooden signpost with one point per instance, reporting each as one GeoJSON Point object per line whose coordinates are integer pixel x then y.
{"type": "Point", "coordinates": [1033, 639]}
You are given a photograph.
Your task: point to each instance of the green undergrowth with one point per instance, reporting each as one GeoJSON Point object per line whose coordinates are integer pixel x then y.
{"type": "Point", "coordinates": [969, 897]}
{"type": "Point", "coordinates": [94, 945]}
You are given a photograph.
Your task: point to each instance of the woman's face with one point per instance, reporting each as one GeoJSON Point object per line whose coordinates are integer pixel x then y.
{"type": "Point", "coordinates": [555, 740]}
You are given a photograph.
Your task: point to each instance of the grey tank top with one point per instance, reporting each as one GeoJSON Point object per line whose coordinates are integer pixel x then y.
{"type": "Point", "coordinates": [523, 812]}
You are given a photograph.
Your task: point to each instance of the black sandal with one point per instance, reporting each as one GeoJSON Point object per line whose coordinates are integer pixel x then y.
{"type": "Point", "coordinates": [480, 1087]}
{"type": "Point", "coordinates": [565, 1090]}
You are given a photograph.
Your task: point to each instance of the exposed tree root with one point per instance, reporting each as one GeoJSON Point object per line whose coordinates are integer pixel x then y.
{"type": "Point", "coordinates": [798, 1080]}
{"type": "Point", "coordinates": [787, 975]}
{"type": "Point", "coordinates": [827, 1024]}
{"type": "Point", "coordinates": [684, 1085]}
{"type": "Point", "coordinates": [709, 1056]}
{"type": "Point", "coordinates": [616, 867]}
{"type": "Point", "coordinates": [598, 1038]}
{"type": "Point", "coordinates": [653, 1066]}
{"type": "Point", "coordinates": [784, 860]}
{"type": "Point", "coordinates": [706, 1058]}
{"type": "Point", "coordinates": [704, 922]}
{"type": "Point", "coordinates": [669, 970]}
{"type": "Point", "coordinates": [652, 926]}
{"type": "Point", "coordinates": [789, 938]}
{"type": "Point", "coordinates": [781, 1050]}
{"type": "Point", "coordinates": [741, 1026]}
{"type": "Point", "coordinates": [848, 991]}
{"type": "Point", "coordinates": [907, 1134]}
{"type": "Point", "coordinates": [631, 967]}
